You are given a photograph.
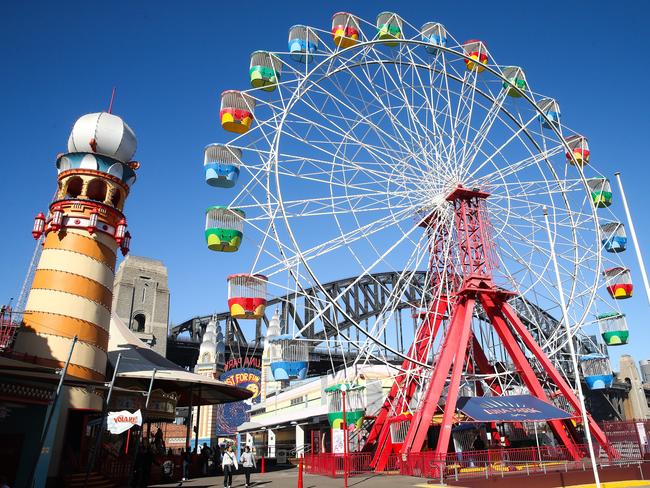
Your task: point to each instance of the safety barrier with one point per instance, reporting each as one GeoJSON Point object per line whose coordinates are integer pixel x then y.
{"type": "Point", "coordinates": [458, 465]}
{"type": "Point", "coordinates": [489, 462]}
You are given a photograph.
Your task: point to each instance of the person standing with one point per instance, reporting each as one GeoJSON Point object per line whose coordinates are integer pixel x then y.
{"type": "Point", "coordinates": [206, 454]}
{"type": "Point", "coordinates": [229, 465]}
{"type": "Point", "coordinates": [185, 459]}
{"type": "Point", "coordinates": [248, 462]}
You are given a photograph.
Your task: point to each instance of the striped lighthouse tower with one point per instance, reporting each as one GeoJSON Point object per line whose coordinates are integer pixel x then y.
{"type": "Point", "coordinates": [72, 289]}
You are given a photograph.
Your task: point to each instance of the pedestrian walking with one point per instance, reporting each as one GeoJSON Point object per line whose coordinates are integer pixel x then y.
{"type": "Point", "coordinates": [229, 465]}
{"type": "Point", "coordinates": [185, 458]}
{"type": "Point", "coordinates": [248, 462]}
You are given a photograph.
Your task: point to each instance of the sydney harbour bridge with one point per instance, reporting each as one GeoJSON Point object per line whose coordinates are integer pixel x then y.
{"type": "Point", "coordinates": [363, 300]}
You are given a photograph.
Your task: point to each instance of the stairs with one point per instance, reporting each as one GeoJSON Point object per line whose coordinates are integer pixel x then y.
{"type": "Point", "coordinates": [95, 480]}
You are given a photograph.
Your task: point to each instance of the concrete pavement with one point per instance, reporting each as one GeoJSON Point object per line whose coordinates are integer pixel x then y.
{"type": "Point", "coordinates": [289, 479]}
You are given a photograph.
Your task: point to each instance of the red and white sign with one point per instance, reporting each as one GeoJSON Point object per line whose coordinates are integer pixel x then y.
{"type": "Point", "coordinates": [118, 422]}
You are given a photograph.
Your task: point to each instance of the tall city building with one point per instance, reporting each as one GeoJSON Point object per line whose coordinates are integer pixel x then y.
{"type": "Point", "coordinates": [141, 299]}
{"type": "Point", "coordinates": [71, 293]}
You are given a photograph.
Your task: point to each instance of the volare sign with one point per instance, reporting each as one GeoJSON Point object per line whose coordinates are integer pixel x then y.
{"type": "Point", "coordinates": [118, 422]}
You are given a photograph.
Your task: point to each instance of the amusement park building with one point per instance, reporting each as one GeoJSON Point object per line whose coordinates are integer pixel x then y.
{"type": "Point", "coordinates": [291, 419]}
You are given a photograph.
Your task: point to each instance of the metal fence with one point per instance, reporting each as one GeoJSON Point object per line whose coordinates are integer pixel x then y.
{"type": "Point", "coordinates": [466, 464]}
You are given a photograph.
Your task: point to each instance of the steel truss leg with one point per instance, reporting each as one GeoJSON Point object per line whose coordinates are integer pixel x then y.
{"type": "Point", "coordinates": [419, 350]}
{"type": "Point", "coordinates": [455, 340]}
{"type": "Point", "coordinates": [484, 365]}
{"type": "Point", "coordinates": [563, 386]}
{"type": "Point", "coordinates": [492, 309]}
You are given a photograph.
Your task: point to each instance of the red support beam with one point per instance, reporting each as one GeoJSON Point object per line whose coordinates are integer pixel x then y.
{"type": "Point", "coordinates": [465, 322]}
{"type": "Point", "coordinates": [555, 376]}
{"type": "Point", "coordinates": [405, 382]}
{"type": "Point", "coordinates": [493, 309]}
{"type": "Point", "coordinates": [461, 316]}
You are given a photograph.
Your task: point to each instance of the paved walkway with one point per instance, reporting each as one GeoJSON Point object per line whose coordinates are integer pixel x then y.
{"type": "Point", "coordinates": [289, 479]}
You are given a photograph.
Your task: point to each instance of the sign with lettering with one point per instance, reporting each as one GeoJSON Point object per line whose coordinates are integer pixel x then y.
{"type": "Point", "coordinates": [515, 408]}
{"type": "Point", "coordinates": [234, 414]}
{"type": "Point", "coordinates": [245, 362]}
{"type": "Point", "coordinates": [118, 422]}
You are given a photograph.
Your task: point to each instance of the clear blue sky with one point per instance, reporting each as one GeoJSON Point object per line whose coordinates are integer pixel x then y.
{"type": "Point", "coordinates": [170, 60]}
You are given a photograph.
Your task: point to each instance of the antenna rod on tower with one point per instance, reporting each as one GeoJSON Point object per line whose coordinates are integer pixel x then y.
{"type": "Point", "coordinates": [110, 105]}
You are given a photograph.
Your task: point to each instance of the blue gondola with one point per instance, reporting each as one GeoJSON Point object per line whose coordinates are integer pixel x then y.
{"type": "Point", "coordinates": [435, 34]}
{"type": "Point", "coordinates": [303, 43]}
{"type": "Point", "coordinates": [221, 165]}
{"type": "Point", "coordinates": [290, 360]}
{"type": "Point", "coordinates": [597, 371]}
{"type": "Point", "coordinates": [613, 236]}
{"type": "Point", "coordinates": [551, 109]}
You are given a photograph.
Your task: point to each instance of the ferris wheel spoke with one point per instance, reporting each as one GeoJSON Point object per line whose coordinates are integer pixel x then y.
{"type": "Point", "coordinates": [515, 167]}
{"type": "Point", "coordinates": [413, 120]}
{"type": "Point", "coordinates": [494, 111]}
{"type": "Point", "coordinates": [360, 119]}
{"type": "Point", "coordinates": [369, 87]}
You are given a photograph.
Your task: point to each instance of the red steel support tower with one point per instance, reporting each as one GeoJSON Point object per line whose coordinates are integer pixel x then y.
{"type": "Point", "coordinates": [468, 283]}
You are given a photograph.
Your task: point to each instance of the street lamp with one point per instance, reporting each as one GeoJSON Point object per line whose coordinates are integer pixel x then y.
{"type": "Point", "coordinates": [344, 388]}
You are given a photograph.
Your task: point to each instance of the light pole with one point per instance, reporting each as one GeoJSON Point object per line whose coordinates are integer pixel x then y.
{"type": "Point", "coordinates": [572, 351]}
{"type": "Point", "coordinates": [345, 440]}
{"type": "Point", "coordinates": [635, 241]}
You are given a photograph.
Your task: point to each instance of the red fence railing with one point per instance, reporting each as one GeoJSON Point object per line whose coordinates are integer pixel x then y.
{"type": "Point", "coordinates": [461, 464]}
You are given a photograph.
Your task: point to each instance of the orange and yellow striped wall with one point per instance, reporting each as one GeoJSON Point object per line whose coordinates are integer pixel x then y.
{"type": "Point", "coordinates": [72, 293]}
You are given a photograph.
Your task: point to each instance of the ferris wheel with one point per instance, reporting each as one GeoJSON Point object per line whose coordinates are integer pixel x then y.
{"type": "Point", "coordinates": [380, 146]}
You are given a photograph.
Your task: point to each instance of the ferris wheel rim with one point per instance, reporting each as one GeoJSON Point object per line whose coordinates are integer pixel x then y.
{"type": "Point", "coordinates": [296, 96]}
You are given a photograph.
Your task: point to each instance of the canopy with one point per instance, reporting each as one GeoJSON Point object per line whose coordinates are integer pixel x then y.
{"type": "Point", "coordinates": [516, 408]}
{"type": "Point", "coordinates": [139, 360]}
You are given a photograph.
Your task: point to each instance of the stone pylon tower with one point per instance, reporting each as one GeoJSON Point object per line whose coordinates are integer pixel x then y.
{"type": "Point", "coordinates": [72, 289]}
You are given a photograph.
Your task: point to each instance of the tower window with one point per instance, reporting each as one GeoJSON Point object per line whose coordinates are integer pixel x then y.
{"type": "Point", "coordinates": [139, 322]}
{"type": "Point", "coordinates": [116, 198]}
{"type": "Point", "coordinates": [73, 187]}
{"type": "Point", "coordinates": [97, 190]}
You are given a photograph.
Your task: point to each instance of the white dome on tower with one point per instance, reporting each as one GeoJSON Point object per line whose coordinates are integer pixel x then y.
{"type": "Point", "coordinates": [103, 133]}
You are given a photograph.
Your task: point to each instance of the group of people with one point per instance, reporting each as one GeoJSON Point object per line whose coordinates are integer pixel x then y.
{"type": "Point", "coordinates": [230, 465]}
{"type": "Point", "coordinates": [210, 459]}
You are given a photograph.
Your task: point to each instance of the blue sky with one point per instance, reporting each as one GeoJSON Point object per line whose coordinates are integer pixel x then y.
{"type": "Point", "coordinates": [170, 60]}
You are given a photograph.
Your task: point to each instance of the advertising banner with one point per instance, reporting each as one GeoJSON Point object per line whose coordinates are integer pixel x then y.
{"type": "Point", "coordinates": [234, 414]}
{"type": "Point", "coordinates": [515, 408]}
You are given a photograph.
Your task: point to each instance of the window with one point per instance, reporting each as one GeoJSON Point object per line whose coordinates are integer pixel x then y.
{"type": "Point", "coordinates": [73, 187]}
{"type": "Point", "coordinates": [96, 190]}
{"type": "Point", "coordinates": [297, 401]}
{"type": "Point", "coordinates": [139, 321]}
{"type": "Point", "coordinates": [116, 198]}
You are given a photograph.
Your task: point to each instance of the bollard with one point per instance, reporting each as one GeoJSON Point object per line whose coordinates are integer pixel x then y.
{"type": "Point", "coordinates": [300, 474]}
{"type": "Point", "coordinates": [262, 468]}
